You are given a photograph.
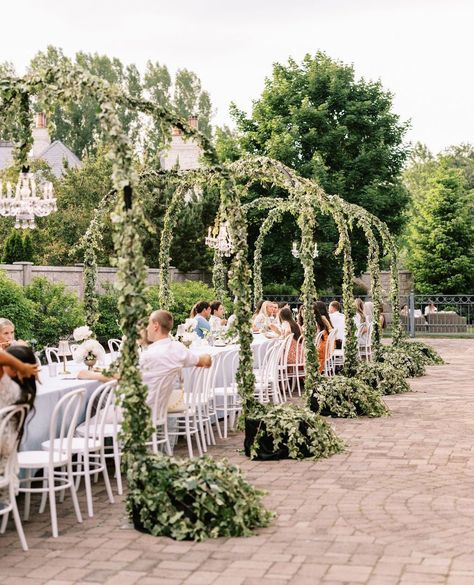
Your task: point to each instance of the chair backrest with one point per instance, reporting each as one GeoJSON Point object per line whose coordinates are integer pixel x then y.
{"type": "Point", "coordinates": [12, 419]}
{"type": "Point", "coordinates": [64, 421]}
{"type": "Point", "coordinates": [114, 346]}
{"type": "Point", "coordinates": [329, 353]}
{"type": "Point", "coordinates": [195, 387]}
{"type": "Point", "coordinates": [261, 350]}
{"type": "Point", "coordinates": [273, 359]}
{"type": "Point", "coordinates": [100, 409]}
{"type": "Point", "coordinates": [319, 336]}
{"type": "Point", "coordinates": [162, 393]}
{"type": "Point", "coordinates": [228, 367]}
{"type": "Point", "coordinates": [52, 355]}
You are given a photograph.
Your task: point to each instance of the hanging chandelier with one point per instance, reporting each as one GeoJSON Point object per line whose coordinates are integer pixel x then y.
{"type": "Point", "coordinates": [221, 241]}
{"type": "Point", "coordinates": [29, 200]}
{"type": "Point", "coordinates": [296, 252]}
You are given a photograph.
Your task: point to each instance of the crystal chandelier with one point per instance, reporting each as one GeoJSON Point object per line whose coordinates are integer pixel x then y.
{"type": "Point", "coordinates": [296, 252]}
{"type": "Point", "coordinates": [221, 241]}
{"type": "Point", "coordinates": [28, 201]}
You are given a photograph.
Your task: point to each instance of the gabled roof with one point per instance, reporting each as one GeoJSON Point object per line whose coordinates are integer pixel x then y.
{"type": "Point", "coordinates": [54, 155]}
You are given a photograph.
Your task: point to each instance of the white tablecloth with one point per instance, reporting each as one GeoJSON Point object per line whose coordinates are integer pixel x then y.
{"type": "Point", "coordinates": [53, 389]}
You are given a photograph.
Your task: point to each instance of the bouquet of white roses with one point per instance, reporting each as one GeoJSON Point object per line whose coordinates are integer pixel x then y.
{"type": "Point", "coordinates": [89, 350]}
{"type": "Point", "coordinates": [82, 333]}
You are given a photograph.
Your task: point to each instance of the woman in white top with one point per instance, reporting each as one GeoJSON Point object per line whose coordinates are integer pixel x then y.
{"type": "Point", "coordinates": [216, 320]}
{"type": "Point", "coordinates": [262, 319]}
{"type": "Point", "coordinates": [360, 320]}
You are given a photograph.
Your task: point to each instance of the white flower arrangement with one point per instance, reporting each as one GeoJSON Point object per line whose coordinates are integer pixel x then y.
{"type": "Point", "coordinates": [82, 333]}
{"type": "Point", "coordinates": [90, 349]}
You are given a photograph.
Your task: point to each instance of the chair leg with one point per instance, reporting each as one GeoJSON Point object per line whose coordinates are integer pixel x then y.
{"type": "Point", "coordinates": [3, 526]}
{"type": "Point", "coordinates": [198, 440]}
{"type": "Point", "coordinates": [225, 416]}
{"type": "Point", "coordinates": [105, 473]}
{"type": "Point", "coordinates": [78, 470]}
{"type": "Point", "coordinates": [188, 436]}
{"type": "Point", "coordinates": [26, 513]}
{"type": "Point", "coordinates": [52, 503]}
{"type": "Point", "coordinates": [118, 473]}
{"type": "Point", "coordinates": [17, 519]}
{"type": "Point", "coordinates": [44, 495]}
{"type": "Point", "coordinates": [87, 484]}
{"type": "Point", "coordinates": [75, 501]}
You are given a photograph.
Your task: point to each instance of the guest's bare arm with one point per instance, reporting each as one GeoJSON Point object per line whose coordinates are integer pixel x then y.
{"type": "Point", "coordinates": [90, 375]}
{"type": "Point", "coordinates": [24, 370]}
{"type": "Point", "coordinates": [205, 361]}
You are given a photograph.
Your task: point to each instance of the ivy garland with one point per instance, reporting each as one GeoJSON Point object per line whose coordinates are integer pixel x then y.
{"type": "Point", "coordinates": [344, 397]}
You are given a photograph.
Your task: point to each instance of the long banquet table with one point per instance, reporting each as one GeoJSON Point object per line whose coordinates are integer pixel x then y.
{"type": "Point", "coordinates": [52, 389]}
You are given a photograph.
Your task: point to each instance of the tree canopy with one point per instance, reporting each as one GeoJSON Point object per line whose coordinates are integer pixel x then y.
{"type": "Point", "coordinates": [317, 118]}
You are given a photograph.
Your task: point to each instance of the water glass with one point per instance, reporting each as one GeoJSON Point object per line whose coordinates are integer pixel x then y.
{"type": "Point", "coordinates": [53, 369]}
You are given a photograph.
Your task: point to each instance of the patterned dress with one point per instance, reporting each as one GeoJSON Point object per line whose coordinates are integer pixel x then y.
{"type": "Point", "coordinates": [9, 395]}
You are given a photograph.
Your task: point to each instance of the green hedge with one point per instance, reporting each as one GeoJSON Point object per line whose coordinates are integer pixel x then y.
{"type": "Point", "coordinates": [15, 306]}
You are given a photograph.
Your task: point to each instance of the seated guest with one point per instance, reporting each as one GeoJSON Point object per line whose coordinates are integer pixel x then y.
{"type": "Point", "coordinates": [7, 334]}
{"type": "Point", "coordinates": [290, 327]}
{"type": "Point", "coordinates": [18, 369]}
{"type": "Point", "coordinates": [192, 312]}
{"type": "Point", "coordinates": [203, 312]}
{"type": "Point", "coordinates": [338, 321]}
{"type": "Point", "coordinates": [273, 310]}
{"type": "Point", "coordinates": [283, 305]}
{"type": "Point", "coordinates": [430, 308]}
{"type": "Point", "coordinates": [216, 320]}
{"type": "Point", "coordinates": [360, 320]}
{"type": "Point", "coordinates": [162, 355]}
{"type": "Point", "coordinates": [262, 319]}
{"type": "Point", "coordinates": [323, 323]}
{"type": "Point", "coordinates": [404, 310]}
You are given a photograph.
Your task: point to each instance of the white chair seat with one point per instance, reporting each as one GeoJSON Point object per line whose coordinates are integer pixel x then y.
{"type": "Point", "coordinates": [110, 430]}
{"type": "Point", "coordinates": [338, 352]}
{"type": "Point", "coordinates": [181, 413]}
{"type": "Point", "coordinates": [40, 459]}
{"type": "Point", "coordinates": [230, 390]}
{"type": "Point", "coordinates": [78, 444]}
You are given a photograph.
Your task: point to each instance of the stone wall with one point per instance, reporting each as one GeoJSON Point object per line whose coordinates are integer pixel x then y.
{"type": "Point", "coordinates": [73, 278]}
{"type": "Point", "coordinates": [405, 281]}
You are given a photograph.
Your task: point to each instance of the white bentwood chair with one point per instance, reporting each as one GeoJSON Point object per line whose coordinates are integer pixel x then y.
{"type": "Point", "coordinates": [11, 415]}
{"type": "Point", "coordinates": [227, 399]}
{"type": "Point", "coordinates": [52, 355]}
{"type": "Point", "coordinates": [159, 411]}
{"type": "Point", "coordinates": [59, 456]}
{"type": "Point", "coordinates": [114, 345]}
{"type": "Point", "coordinates": [90, 447]}
{"type": "Point", "coordinates": [365, 341]}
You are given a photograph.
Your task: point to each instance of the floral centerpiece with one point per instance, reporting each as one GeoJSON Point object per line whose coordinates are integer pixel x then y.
{"type": "Point", "coordinates": [185, 332]}
{"type": "Point", "coordinates": [90, 350]}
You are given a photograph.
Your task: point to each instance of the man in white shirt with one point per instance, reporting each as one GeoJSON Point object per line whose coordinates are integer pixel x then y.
{"type": "Point", "coordinates": [338, 321]}
{"type": "Point", "coordinates": [161, 356]}
{"type": "Point", "coordinates": [164, 354]}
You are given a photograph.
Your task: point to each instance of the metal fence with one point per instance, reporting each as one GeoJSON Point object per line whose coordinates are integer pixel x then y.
{"type": "Point", "coordinates": [422, 315]}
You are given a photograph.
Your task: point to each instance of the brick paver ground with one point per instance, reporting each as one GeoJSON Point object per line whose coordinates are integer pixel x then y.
{"type": "Point", "coordinates": [396, 508]}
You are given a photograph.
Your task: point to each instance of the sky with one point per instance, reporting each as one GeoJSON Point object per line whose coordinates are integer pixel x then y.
{"type": "Point", "coordinates": [421, 50]}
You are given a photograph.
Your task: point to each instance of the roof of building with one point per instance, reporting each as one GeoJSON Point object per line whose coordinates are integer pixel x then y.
{"type": "Point", "coordinates": [55, 155]}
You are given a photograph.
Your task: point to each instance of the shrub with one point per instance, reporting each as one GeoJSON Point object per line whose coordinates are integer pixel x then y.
{"type": "Point", "coordinates": [28, 251]}
{"type": "Point", "coordinates": [107, 326]}
{"type": "Point", "coordinates": [56, 311]}
{"type": "Point", "coordinates": [409, 365]}
{"type": "Point", "coordinates": [13, 250]}
{"type": "Point", "coordinates": [185, 295]}
{"type": "Point", "coordinates": [287, 431]}
{"type": "Point", "coordinates": [277, 289]}
{"type": "Point", "coordinates": [382, 376]}
{"type": "Point", "coordinates": [193, 499]}
{"type": "Point", "coordinates": [344, 397]}
{"type": "Point", "coordinates": [15, 306]}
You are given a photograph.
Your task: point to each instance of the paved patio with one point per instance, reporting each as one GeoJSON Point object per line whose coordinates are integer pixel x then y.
{"type": "Point", "coordinates": [397, 508]}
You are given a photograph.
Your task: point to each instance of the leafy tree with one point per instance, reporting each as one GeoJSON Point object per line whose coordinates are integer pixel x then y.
{"type": "Point", "coordinates": [316, 117]}
{"type": "Point", "coordinates": [56, 311]}
{"type": "Point", "coordinates": [13, 250]}
{"type": "Point", "coordinates": [15, 306]}
{"type": "Point", "coordinates": [441, 236]}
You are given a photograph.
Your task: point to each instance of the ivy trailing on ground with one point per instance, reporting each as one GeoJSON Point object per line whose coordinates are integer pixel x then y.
{"type": "Point", "coordinates": [421, 351]}
{"type": "Point", "coordinates": [410, 366]}
{"type": "Point", "coordinates": [344, 397]}
{"type": "Point", "coordinates": [193, 499]}
{"type": "Point", "coordinates": [383, 377]}
{"type": "Point", "coordinates": [287, 431]}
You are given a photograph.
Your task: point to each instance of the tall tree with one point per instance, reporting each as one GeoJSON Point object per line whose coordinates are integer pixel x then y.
{"type": "Point", "coordinates": [316, 117]}
{"type": "Point", "coordinates": [441, 239]}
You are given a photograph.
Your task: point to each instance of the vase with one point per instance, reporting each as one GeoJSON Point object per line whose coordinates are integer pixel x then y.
{"type": "Point", "coordinates": [90, 362]}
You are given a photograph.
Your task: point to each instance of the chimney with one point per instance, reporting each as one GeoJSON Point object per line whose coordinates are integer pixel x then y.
{"type": "Point", "coordinates": [41, 139]}
{"type": "Point", "coordinates": [193, 122]}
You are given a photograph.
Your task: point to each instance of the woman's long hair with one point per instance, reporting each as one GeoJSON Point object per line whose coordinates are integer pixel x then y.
{"type": "Point", "coordinates": [323, 322]}
{"type": "Point", "coordinates": [27, 385]}
{"type": "Point", "coordinates": [287, 315]}
{"type": "Point", "coordinates": [359, 307]}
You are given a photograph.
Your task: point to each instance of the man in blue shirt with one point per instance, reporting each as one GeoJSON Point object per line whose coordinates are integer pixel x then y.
{"type": "Point", "coordinates": [203, 312]}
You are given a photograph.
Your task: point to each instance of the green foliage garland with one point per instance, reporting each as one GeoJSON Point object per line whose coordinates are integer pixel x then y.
{"type": "Point", "coordinates": [301, 432]}
{"type": "Point", "coordinates": [344, 397]}
{"type": "Point", "coordinates": [410, 365]}
{"type": "Point", "coordinates": [382, 376]}
{"type": "Point", "coordinates": [421, 351]}
{"type": "Point", "coordinates": [193, 499]}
